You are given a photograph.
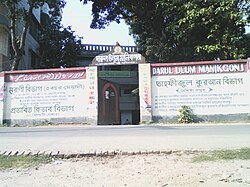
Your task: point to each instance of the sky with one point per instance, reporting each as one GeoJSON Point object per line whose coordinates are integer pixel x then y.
{"type": "Point", "coordinates": [78, 16]}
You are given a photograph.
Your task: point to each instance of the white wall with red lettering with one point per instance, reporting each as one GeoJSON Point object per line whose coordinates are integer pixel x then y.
{"type": "Point", "coordinates": [145, 93]}
{"type": "Point", "coordinates": [209, 88]}
{"type": "Point", "coordinates": [48, 96]}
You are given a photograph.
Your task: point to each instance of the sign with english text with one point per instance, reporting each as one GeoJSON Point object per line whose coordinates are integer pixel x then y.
{"type": "Point", "coordinates": [199, 69]}
{"type": "Point", "coordinates": [209, 88]}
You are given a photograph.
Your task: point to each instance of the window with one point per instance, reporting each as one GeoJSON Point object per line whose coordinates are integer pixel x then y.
{"type": "Point", "coordinates": [4, 44]}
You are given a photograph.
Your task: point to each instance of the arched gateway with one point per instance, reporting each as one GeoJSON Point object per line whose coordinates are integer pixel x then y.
{"type": "Point", "coordinates": [117, 78]}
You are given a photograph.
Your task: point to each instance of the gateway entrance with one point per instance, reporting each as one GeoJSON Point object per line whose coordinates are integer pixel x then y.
{"type": "Point", "coordinates": [118, 87]}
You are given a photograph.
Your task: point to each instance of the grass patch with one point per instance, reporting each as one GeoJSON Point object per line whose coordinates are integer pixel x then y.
{"type": "Point", "coordinates": [240, 154]}
{"type": "Point", "coordinates": [12, 162]}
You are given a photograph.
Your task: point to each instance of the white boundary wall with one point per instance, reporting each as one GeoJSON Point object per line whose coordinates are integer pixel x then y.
{"type": "Point", "coordinates": [51, 96]}
{"type": "Point", "coordinates": [217, 89]}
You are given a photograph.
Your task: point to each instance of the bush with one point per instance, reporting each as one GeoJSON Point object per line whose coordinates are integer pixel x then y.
{"type": "Point", "coordinates": [186, 115]}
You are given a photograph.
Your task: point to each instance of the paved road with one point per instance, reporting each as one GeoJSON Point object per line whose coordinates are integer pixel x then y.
{"type": "Point", "coordinates": [82, 139]}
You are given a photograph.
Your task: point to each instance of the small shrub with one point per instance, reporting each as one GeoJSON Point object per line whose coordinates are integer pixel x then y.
{"type": "Point", "coordinates": [186, 115]}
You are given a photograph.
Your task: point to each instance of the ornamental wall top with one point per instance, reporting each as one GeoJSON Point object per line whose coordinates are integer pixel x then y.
{"type": "Point", "coordinates": [118, 56]}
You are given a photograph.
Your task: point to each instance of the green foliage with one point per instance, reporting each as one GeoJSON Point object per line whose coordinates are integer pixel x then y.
{"type": "Point", "coordinates": [7, 162]}
{"type": "Point", "coordinates": [180, 30]}
{"type": "Point", "coordinates": [186, 115]}
{"type": "Point", "coordinates": [220, 26]}
{"type": "Point", "coordinates": [240, 154]}
{"type": "Point", "coordinates": [59, 46]}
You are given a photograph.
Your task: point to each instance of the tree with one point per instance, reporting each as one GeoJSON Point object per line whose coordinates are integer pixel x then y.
{"type": "Point", "coordinates": [245, 44]}
{"type": "Point", "coordinates": [219, 27]}
{"type": "Point", "coordinates": [58, 45]}
{"type": "Point", "coordinates": [180, 30]}
{"type": "Point", "coordinates": [24, 15]}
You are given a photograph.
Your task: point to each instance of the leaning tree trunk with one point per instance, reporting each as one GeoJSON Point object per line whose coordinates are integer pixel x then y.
{"type": "Point", "coordinates": [18, 43]}
{"type": "Point", "coordinates": [15, 62]}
